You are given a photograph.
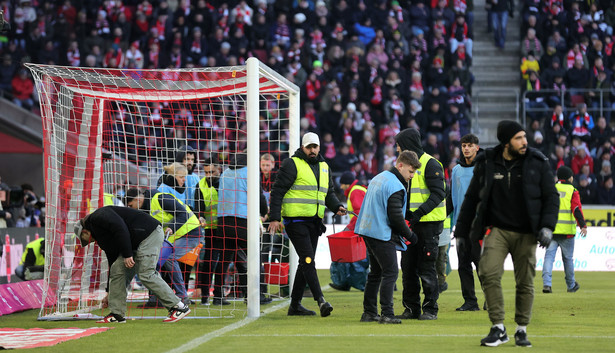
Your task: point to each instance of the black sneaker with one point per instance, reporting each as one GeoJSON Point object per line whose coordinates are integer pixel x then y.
{"type": "Point", "coordinates": [442, 287]}
{"type": "Point", "coordinates": [546, 289]}
{"type": "Point", "coordinates": [521, 339]}
{"type": "Point", "coordinates": [408, 315]}
{"type": "Point", "coordinates": [300, 310]}
{"type": "Point", "coordinates": [468, 307]}
{"type": "Point", "coordinates": [389, 320]}
{"type": "Point", "coordinates": [265, 299]}
{"type": "Point", "coordinates": [428, 316]}
{"type": "Point", "coordinates": [220, 301]}
{"type": "Point", "coordinates": [367, 317]}
{"type": "Point", "coordinates": [336, 287]}
{"type": "Point", "coordinates": [204, 300]}
{"type": "Point", "coordinates": [495, 337]}
{"type": "Point", "coordinates": [325, 309]}
{"type": "Point", "coordinates": [575, 288]}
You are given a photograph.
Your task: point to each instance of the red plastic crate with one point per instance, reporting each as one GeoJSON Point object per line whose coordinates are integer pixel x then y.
{"type": "Point", "coordinates": [276, 273]}
{"type": "Point", "coordinates": [346, 247]}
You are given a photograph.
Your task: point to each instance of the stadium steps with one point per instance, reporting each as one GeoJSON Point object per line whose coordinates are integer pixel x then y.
{"type": "Point", "coordinates": [20, 123]}
{"type": "Point", "coordinates": [497, 76]}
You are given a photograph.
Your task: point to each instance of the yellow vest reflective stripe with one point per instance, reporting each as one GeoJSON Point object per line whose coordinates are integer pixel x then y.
{"type": "Point", "coordinates": [419, 193]}
{"type": "Point", "coordinates": [447, 223]}
{"type": "Point", "coordinates": [210, 198]}
{"type": "Point", "coordinates": [36, 248]}
{"type": "Point", "coordinates": [306, 198]}
{"type": "Point", "coordinates": [356, 187]}
{"type": "Point", "coordinates": [566, 224]}
{"type": "Point", "coordinates": [164, 217]}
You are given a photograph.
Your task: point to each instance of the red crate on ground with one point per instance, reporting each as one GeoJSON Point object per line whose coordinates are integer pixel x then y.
{"type": "Point", "coordinates": [276, 273]}
{"type": "Point", "coordinates": [346, 247]}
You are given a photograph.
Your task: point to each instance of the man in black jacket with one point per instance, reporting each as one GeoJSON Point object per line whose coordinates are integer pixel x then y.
{"type": "Point", "coordinates": [302, 189]}
{"type": "Point", "coordinates": [511, 202]}
{"type": "Point", "coordinates": [132, 240]}
{"type": "Point", "coordinates": [426, 213]}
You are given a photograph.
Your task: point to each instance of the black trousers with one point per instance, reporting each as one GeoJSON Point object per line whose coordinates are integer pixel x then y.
{"type": "Point", "coordinates": [382, 276]}
{"type": "Point", "coordinates": [418, 265]}
{"type": "Point", "coordinates": [467, 253]}
{"type": "Point", "coordinates": [304, 236]}
{"type": "Point", "coordinates": [209, 260]}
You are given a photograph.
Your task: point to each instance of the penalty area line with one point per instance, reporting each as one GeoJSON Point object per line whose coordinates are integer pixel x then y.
{"type": "Point", "coordinates": [190, 345]}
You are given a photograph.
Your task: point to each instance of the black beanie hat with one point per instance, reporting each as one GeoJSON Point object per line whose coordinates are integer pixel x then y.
{"type": "Point", "coordinates": [507, 129]}
{"type": "Point", "coordinates": [347, 178]}
{"type": "Point", "coordinates": [564, 173]}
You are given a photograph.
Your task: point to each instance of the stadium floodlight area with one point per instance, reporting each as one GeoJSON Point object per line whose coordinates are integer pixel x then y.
{"type": "Point", "coordinates": [109, 130]}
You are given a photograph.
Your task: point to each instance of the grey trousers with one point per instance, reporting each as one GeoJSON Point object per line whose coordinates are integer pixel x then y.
{"type": "Point", "coordinates": [145, 259]}
{"type": "Point", "coordinates": [522, 248]}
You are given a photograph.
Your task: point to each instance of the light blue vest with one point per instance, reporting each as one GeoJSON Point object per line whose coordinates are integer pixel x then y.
{"type": "Point", "coordinates": [373, 220]}
{"type": "Point", "coordinates": [460, 180]}
{"type": "Point", "coordinates": [192, 183]}
{"type": "Point", "coordinates": [233, 193]}
{"type": "Point", "coordinates": [164, 188]}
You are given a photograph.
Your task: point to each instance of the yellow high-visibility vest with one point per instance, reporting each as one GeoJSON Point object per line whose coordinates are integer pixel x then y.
{"type": "Point", "coordinates": [210, 198]}
{"type": "Point", "coordinates": [306, 198]}
{"type": "Point", "coordinates": [566, 224]}
{"type": "Point", "coordinates": [356, 187]}
{"type": "Point", "coordinates": [35, 245]}
{"type": "Point", "coordinates": [164, 217]}
{"type": "Point", "coordinates": [419, 193]}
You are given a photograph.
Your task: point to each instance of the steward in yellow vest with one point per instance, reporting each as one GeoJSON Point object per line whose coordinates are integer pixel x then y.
{"type": "Point", "coordinates": [426, 213]}
{"type": "Point", "coordinates": [302, 189]}
{"type": "Point", "coordinates": [32, 261]}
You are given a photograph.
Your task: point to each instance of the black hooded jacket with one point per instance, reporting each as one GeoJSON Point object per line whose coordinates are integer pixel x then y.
{"type": "Point", "coordinates": [410, 139]}
{"type": "Point", "coordinates": [541, 197]}
{"type": "Point", "coordinates": [286, 178]}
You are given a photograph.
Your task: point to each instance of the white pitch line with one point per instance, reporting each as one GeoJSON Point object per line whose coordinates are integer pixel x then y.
{"type": "Point", "coordinates": [407, 335]}
{"type": "Point", "coordinates": [214, 334]}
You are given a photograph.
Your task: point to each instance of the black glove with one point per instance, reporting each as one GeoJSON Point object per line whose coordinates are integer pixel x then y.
{"type": "Point", "coordinates": [545, 235]}
{"type": "Point", "coordinates": [511, 14]}
{"type": "Point", "coordinates": [415, 218]}
{"type": "Point", "coordinates": [413, 239]}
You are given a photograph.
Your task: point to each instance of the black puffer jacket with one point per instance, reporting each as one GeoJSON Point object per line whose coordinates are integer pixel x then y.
{"type": "Point", "coordinates": [541, 197]}
{"type": "Point", "coordinates": [286, 178]}
{"type": "Point", "coordinates": [410, 139]}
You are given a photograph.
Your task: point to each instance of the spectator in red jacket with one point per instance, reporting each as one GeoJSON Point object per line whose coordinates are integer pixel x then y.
{"type": "Point", "coordinates": [580, 159]}
{"type": "Point", "coordinates": [22, 87]}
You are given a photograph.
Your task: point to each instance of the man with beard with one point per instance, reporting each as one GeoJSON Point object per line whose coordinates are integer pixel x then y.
{"type": "Point", "coordinates": [510, 204]}
{"type": "Point", "coordinates": [302, 189]}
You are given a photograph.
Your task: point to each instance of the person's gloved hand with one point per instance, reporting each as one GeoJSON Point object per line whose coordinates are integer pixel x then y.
{"type": "Point", "coordinates": [415, 218]}
{"type": "Point", "coordinates": [545, 235]}
{"type": "Point", "coordinates": [413, 239]}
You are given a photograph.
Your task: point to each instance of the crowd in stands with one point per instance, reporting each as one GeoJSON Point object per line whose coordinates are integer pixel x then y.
{"type": "Point", "coordinates": [20, 206]}
{"type": "Point", "coordinates": [366, 69]}
{"type": "Point", "coordinates": [567, 67]}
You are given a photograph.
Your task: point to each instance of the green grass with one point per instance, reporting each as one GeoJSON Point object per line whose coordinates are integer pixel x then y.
{"type": "Point", "coordinates": [561, 322]}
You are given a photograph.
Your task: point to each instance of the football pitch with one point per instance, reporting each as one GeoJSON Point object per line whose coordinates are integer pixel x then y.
{"type": "Point", "coordinates": [562, 322]}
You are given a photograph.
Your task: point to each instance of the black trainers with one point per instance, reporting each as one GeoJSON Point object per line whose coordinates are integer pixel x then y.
{"type": "Point", "coordinates": [336, 287]}
{"type": "Point", "coordinates": [367, 317]}
{"type": "Point", "coordinates": [389, 320]}
{"type": "Point", "coordinates": [265, 299]}
{"type": "Point", "coordinates": [220, 301]}
{"type": "Point", "coordinates": [575, 288]}
{"type": "Point", "coordinates": [112, 319]}
{"type": "Point", "coordinates": [325, 309]}
{"type": "Point", "coordinates": [521, 339]}
{"type": "Point", "coordinates": [495, 337]}
{"type": "Point", "coordinates": [546, 289]}
{"type": "Point", "coordinates": [442, 287]}
{"type": "Point", "coordinates": [428, 316]}
{"type": "Point", "coordinates": [204, 300]}
{"type": "Point", "coordinates": [300, 310]}
{"type": "Point", "coordinates": [408, 315]}
{"type": "Point", "coordinates": [468, 307]}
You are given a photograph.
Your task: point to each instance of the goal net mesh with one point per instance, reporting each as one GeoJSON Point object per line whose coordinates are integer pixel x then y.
{"type": "Point", "coordinates": [111, 138]}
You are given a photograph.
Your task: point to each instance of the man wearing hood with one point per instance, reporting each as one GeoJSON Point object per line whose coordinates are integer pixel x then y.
{"type": "Point", "coordinates": [185, 155]}
{"type": "Point", "coordinates": [467, 252]}
{"type": "Point", "coordinates": [426, 215]}
{"type": "Point", "coordinates": [302, 189]}
{"type": "Point", "coordinates": [510, 204]}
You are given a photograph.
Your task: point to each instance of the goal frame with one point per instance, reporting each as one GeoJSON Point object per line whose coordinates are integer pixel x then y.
{"type": "Point", "coordinates": [255, 70]}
